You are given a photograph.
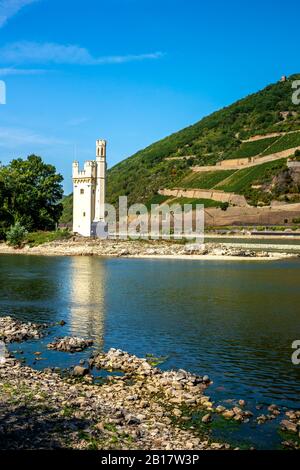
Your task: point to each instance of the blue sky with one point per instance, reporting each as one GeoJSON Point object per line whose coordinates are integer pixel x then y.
{"type": "Point", "coordinates": [131, 71]}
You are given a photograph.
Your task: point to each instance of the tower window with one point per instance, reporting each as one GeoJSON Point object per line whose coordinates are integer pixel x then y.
{"type": "Point", "coordinates": [82, 191]}
{"type": "Point", "coordinates": [84, 214]}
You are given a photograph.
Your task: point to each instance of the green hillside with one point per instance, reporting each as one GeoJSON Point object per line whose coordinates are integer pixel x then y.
{"type": "Point", "coordinates": [67, 214]}
{"type": "Point", "coordinates": [215, 138]}
{"type": "Point", "coordinates": [207, 180]}
{"type": "Point", "coordinates": [220, 136]}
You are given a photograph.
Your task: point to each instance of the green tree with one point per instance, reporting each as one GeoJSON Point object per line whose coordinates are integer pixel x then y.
{"type": "Point", "coordinates": [16, 235]}
{"type": "Point", "coordinates": [31, 194]}
{"type": "Point", "coordinates": [5, 218]}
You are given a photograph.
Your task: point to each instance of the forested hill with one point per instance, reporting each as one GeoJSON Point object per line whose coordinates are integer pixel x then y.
{"type": "Point", "coordinates": [215, 138]}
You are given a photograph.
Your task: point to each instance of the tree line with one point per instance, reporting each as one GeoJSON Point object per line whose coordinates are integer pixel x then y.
{"type": "Point", "coordinates": [30, 195]}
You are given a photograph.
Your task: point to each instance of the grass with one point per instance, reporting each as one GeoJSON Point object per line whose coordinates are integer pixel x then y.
{"type": "Point", "coordinates": [242, 180]}
{"type": "Point", "coordinates": [251, 149]}
{"type": "Point", "coordinates": [286, 142]}
{"type": "Point", "coordinates": [39, 238]}
{"type": "Point", "coordinates": [157, 199]}
{"type": "Point", "coordinates": [206, 202]}
{"type": "Point", "coordinates": [207, 180]}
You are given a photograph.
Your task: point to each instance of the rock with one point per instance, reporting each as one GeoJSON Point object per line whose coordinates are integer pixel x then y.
{"type": "Point", "coordinates": [100, 427]}
{"type": "Point", "coordinates": [291, 415]}
{"type": "Point", "coordinates": [62, 323]}
{"type": "Point", "coordinates": [228, 414]}
{"type": "Point", "coordinates": [216, 446]}
{"type": "Point", "coordinates": [207, 419]}
{"type": "Point", "coordinates": [262, 419]}
{"type": "Point", "coordinates": [206, 379]}
{"type": "Point", "coordinates": [220, 409]}
{"type": "Point", "coordinates": [12, 330]}
{"type": "Point", "coordinates": [70, 344]}
{"type": "Point", "coordinates": [131, 420]}
{"type": "Point", "coordinates": [289, 426]}
{"type": "Point", "coordinates": [242, 403]}
{"type": "Point", "coordinates": [80, 371]}
{"type": "Point", "coordinates": [273, 408]}
{"type": "Point", "coordinates": [177, 412]}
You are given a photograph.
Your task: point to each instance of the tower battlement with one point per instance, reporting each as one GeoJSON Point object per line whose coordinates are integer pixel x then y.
{"type": "Point", "coordinates": [101, 148]}
{"type": "Point", "coordinates": [89, 170]}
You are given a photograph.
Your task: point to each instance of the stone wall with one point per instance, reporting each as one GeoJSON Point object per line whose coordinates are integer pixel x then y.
{"type": "Point", "coordinates": [240, 163]}
{"type": "Point", "coordinates": [215, 195]}
{"type": "Point", "coordinates": [277, 215]}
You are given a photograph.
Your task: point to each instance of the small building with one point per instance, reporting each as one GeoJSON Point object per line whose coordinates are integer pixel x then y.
{"type": "Point", "coordinates": [89, 192]}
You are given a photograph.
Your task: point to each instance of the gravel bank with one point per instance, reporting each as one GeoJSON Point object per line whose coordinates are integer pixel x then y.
{"type": "Point", "coordinates": [42, 410]}
{"type": "Point", "coordinates": [147, 249]}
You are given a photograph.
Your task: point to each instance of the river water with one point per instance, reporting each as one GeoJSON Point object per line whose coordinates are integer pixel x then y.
{"type": "Point", "coordinates": [235, 321]}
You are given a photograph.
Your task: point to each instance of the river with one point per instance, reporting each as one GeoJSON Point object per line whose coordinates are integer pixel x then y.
{"type": "Point", "coordinates": [234, 321]}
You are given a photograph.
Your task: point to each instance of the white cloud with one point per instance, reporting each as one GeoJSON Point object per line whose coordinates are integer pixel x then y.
{"type": "Point", "coordinates": [4, 72]}
{"type": "Point", "coordinates": [128, 58]}
{"type": "Point", "coordinates": [9, 8]}
{"type": "Point", "coordinates": [13, 137]}
{"type": "Point", "coordinates": [33, 52]}
{"type": "Point", "coordinates": [74, 122]}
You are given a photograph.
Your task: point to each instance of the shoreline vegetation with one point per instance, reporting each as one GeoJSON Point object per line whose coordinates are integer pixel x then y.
{"type": "Point", "coordinates": [77, 246]}
{"type": "Point", "coordinates": [138, 406]}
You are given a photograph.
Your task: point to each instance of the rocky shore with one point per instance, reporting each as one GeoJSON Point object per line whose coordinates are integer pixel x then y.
{"type": "Point", "coordinates": [42, 410]}
{"type": "Point", "coordinates": [14, 331]}
{"type": "Point", "coordinates": [145, 249]}
{"type": "Point", "coordinates": [70, 345]}
{"type": "Point", "coordinates": [136, 406]}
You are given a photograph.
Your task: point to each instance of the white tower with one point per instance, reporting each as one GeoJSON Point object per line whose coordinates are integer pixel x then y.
{"type": "Point", "coordinates": [89, 192]}
{"type": "Point", "coordinates": [101, 180]}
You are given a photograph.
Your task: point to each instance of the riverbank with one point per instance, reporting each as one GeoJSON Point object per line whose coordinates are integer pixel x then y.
{"type": "Point", "coordinates": [137, 410]}
{"type": "Point", "coordinates": [151, 249]}
{"type": "Point", "coordinates": [135, 406]}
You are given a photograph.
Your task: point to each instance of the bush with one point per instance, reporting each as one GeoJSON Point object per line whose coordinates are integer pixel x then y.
{"type": "Point", "coordinates": [39, 238]}
{"type": "Point", "coordinates": [224, 206]}
{"type": "Point", "coordinates": [16, 235]}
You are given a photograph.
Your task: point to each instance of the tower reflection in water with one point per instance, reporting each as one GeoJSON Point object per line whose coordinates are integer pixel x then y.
{"type": "Point", "coordinates": [87, 298]}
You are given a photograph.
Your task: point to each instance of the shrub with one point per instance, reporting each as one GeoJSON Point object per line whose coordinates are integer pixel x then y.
{"type": "Point", "coordinates": [224, 206]}
{"type": "Point", "coordinates": [16, 235]}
